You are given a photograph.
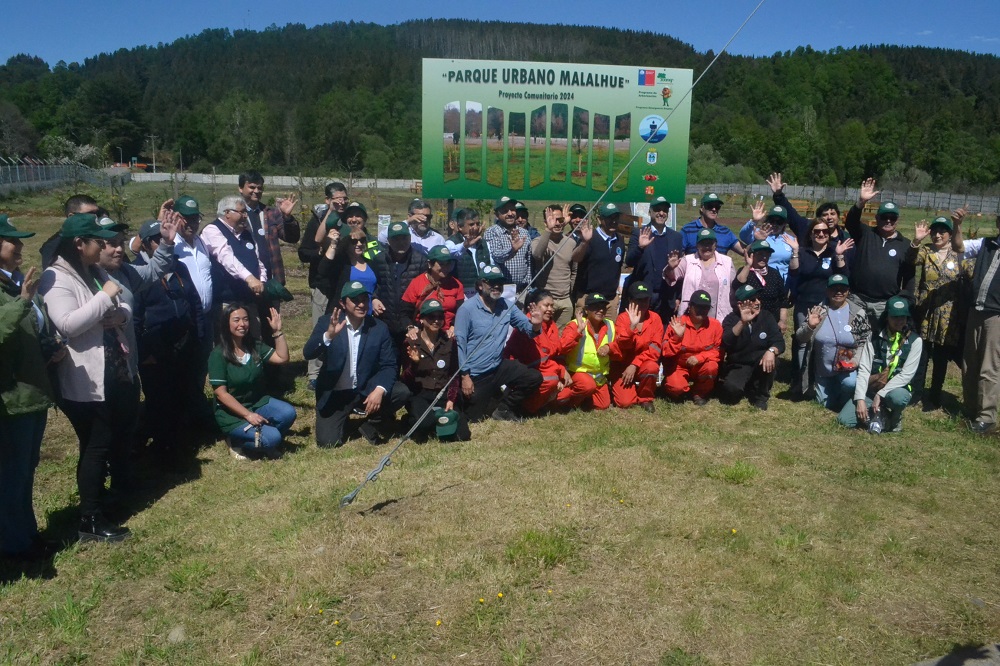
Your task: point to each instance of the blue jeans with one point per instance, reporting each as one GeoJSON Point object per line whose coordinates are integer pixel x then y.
{"type": "Point", "coordinates": [834, 391]}
{"type": "Point", "coordinates": [280, 416]}
{"type": "Point", "coordinates": [892, 410]}
{"type": "Point", "coordinates": [20, 443]}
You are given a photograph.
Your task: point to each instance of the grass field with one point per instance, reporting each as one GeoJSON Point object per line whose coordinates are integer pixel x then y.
{"type": "Point", "coordinates": [719, 535]}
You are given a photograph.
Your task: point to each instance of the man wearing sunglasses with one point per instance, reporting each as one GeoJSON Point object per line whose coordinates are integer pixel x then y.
{"type": "Point", "coordinates": [879, 269]}
{"type": "Point", "coordinates": [708, 218]}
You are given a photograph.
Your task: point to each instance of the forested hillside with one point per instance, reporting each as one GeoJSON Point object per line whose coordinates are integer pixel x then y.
{"type": "Point", "coordinates": [346, 96]}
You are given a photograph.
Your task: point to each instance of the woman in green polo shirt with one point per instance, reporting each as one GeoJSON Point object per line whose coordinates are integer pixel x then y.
{"type": "Point", "coordinates": [254, 422]}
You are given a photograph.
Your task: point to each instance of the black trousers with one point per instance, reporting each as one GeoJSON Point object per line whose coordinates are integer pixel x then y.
{"type": "Point", "coordinates": [175, 396]}
{"type": "Point", "coordinates": [418, 404]}
{"type": "Point", "coordinates": [331, 421]}
{"type": "Point", "coordinates": [521, 381]}
{"type": "Point", "coordinates": [105, 431]}
{"type": "Point", "coordinates": [737, 380]}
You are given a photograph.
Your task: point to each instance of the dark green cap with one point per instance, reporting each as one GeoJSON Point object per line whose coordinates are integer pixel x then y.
{"type": "Point", "coordinates": [897, 306]}
{"type": "Point", "coordinates": [276, 291]}
{"type": "Point", "coordinates": [439, 253]}
{"type": "Point", "coordinates": [186, 206]}
{"type": "Point", "coordinates": [711, 197]}
{"type": "Point", "coordinates": [445, 422]}
{"type": "Point", "coordinates": [778, 211]}
{"type": "Point", "coordinates": [398, 229]}
{"type": "Point", "coordinates": [705, 235]}
{"type": "Point", "coordinates": [942, 222]}
{"type": "Point", "coordinates": [491, 273]}
{"type": "Point", "coordinates": [888, 208]}
{"type": "Point", "coordinates": [745, 293]}
{"type": "Point", "coordinates": [84, 225]}
{"type": "Point", "coordinates": [838, 280]}
{"type": "Point", "coordinates": [609, 209]}
{"type": "Point", "coordinates": [760, 246]}
{"type": "Point", "coordinates": [658, 201]}
{"type": "Point", "coordinates": [356, 205]}
{"type": "Point", "coordinates": [7, 230]}
{"type": "Point", "coordinates": [352, 289]}
{"type": "Point", "coordinates": [108, 223]}
{"type": "Point", "coordinates": [430, 306]}
{"type": "Point", "coordinates": [503, 201]}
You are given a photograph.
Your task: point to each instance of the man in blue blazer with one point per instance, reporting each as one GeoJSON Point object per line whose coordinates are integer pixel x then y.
{"type": "Point", "coordinates": [358, 370]}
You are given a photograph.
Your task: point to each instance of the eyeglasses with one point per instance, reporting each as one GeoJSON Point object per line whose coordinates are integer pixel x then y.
{"type": "Point", "coordinates": [839, 290]}
{"type": "Point", "coordinates": [435, 316]}
{"type": "Point", "coordinates": [241, 213]}
{"type": "Point", "coordinates": [888, 219]}
{"type": "Point", "coordinates": [821, 232]}
{"type": "Point", "coordinates": [715, 208]}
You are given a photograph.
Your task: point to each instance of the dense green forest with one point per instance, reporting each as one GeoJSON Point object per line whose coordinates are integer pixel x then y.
{"type": "Point", "coordinates": [346, 97]}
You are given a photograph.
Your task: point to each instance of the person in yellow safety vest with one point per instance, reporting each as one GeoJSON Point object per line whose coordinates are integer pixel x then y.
{"type": "Point", "coordinates": [586, 342]}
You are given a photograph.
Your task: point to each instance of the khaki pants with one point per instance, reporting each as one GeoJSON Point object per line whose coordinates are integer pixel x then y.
{"type": "Point", "coordinates": [981, 371]}
{"type": "Point", "coordinates": [319, 303]}
{"type": "Point", "coordinates": [565, 312]}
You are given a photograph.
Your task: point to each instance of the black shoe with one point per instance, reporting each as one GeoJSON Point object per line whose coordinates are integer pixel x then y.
{"type": "Point", "coordinates": [982, 427]}
{"type": "Point", "coordinates": [648, 407]}
{"type": "Point", "coordinates": [330, 445]}
{"type": "Point", "coordinates": [369, 432]}
{"type": "Point", "coordinates": [760, 404]}
{"type": "Point", "coordinates": [503, 413]}
{"type": "Point", "coordinates": [97, 528]}
{"type": "Point", "coordinates": [39, 550]}
{"type": "Point", "coordinates": [699, 400]}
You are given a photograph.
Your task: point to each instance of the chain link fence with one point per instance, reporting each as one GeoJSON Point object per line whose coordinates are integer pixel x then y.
{"type": "Point", "coordinates": [28, 174]}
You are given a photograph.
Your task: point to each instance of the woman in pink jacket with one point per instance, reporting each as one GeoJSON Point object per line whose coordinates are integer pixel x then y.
{"type": "Point", "coordinates": [99, 392]}
{"type": "Point", "coordinates": [706, 270]}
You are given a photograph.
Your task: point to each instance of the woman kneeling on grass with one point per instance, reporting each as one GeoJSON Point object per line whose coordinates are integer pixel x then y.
{"type": "Point", "coordinates": [254, 422]}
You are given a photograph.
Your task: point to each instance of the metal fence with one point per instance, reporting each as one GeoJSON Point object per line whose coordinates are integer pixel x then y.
{"type": "Point", "coordinates": [304, 182]}
{"type": "Point", "coordinates": [27, 174]}
{"type": "Point", "coordinates": [846, 195]}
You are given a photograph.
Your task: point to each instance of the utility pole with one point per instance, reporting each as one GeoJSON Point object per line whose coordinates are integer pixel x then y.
{"type": "Point", "coordinates": [152, 142]}
{"type": "Point", "coordinates": [121, 159]}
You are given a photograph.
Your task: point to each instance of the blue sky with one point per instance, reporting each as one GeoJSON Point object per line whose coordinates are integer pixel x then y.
{"type": "Point", "coordinates": [71, 30]}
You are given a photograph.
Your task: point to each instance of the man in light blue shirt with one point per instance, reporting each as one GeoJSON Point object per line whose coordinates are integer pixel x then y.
{"type": "Point", "coordinates": [481, 327]}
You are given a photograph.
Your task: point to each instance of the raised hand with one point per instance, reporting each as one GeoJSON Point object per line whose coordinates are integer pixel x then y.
{"type": "Point", "coordinates": [413, 352]}
{"type": "Point", "coordinates": [580, 319]}
{"type": "Point", "coordinates": [634, 315]}
{"type": "Point", "coordinates": [958, 215]}
{"type": "Point", "coordinates": [758, 213]}
{"type": "Point", "coordinates": [29, 287]}
{"type": "Point", "coordinates": [169, 226]}
{"type": "Point", "coordinates": [336, 323]}
{"type": "Point", "coordinates": [791, 241]}
{"type": "Point", "coordinates": [287, 206]}
{"type": "Point", "coordinates": [674, 260]}
{"type": "Point", "coordinates": [645, 237]}
{"type": "Point", "coordinates": [535, 316]}
{"type": "Point", "coordinates": [747, 312]}
{"type": "Point", "coordinates": [274, 321]}
{"type": "Point", "coordinates": [165, 208]}
{"type": "Point", "coordinates": [774, 180]}
{"type": "Point", "coordinates": [678, 326]}
{"type": "Point", "coordinates": [815, 316]}
{"type": "Point", "coordinates": [868, 191]}
{"type": "Point", "coordinates": [586, 231]}
{"type": "Point", "coordinates": [517, 239]}
{"type": "Point", "coordinates": [843, 246]}
{"type": "Point", "coordinates": [922, 231]}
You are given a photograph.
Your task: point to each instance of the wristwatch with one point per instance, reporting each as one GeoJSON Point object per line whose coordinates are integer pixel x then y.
{"type": "Point", "coordinates": [773, 350]}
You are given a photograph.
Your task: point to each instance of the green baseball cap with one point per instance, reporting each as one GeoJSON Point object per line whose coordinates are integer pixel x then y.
{"type": "Point", "coordinates": [108, 223]}
{"type": "Point", "coordinates": [705, 235]}
{"type": "Point", "coordinates": [445, 422]}
{"type": "Point", "coordinates": [503, 201]}
{"type": "Point", "coordinates": [430, 306]}
{"type": "Point", "coordinates": [838, 280]}
{"type": "Point", "coordinates": [84, 225]}
{"type": "Point", "coordinates": [897, 306]}
{"type": "Point", "coordinates": [491, 273]}
{"type": "Point", "coordinates": [609, 209]}
{"type": "Point", "coordinates": [440, 254]}
{"type": "Point", "coordinates": [352, 289]}
{"type": "Point", "coordinates": [711, 197]}
{"type": "Point", "coordinates": [658, 201]}
{"type": "Point", "coordinates": [745, 293]}
{"type": "Point", "coordinates": [356, 205]}
{"type": "Point", "coordinates": [7, 230]}
{"type": "Point", "coordinates": [888, 208]}
{"type": "Point", "coordinates": [520, 207]}
{"type": "Point", "coordinates": [186, 206]}
{"type": "Point", "coordinates": [760, 246]}
{"type": "Point", "coordinates": [638, 291]}
{"type": "Point", "coordinates": [594, 299]}
{"type": "Point", "coordinates": [778, 211]}
{"type": "Point", "coordinates": [701, 297]}
{"type": "Point", "coordinates": [398, 229]}
{"type": "Point", "coordinates": [942, 221]}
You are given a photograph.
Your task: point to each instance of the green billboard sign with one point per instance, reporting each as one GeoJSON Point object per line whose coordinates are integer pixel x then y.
{"type": "Point", "coordinates": [557, 132]}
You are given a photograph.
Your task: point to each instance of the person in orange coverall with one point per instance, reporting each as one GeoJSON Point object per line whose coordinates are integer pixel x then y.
{"type": "Point", "coordinates": [540, 352]}
{"type": "Point", "coordinates": [692, 351]}
{"type": "Point", "coordinates": [635, 352]}
{"type": "Point", "coordinates": [586, 341]}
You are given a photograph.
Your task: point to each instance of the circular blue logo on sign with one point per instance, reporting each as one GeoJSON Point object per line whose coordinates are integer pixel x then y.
{"type": "Point", "coordinates": [653, 126]}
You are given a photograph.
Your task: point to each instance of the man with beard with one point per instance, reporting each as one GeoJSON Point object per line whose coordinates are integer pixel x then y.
{"type": "Point", "coordinates": [509, 244]}
{"type": "Point", "coordinates": [557, 277]}
{"type": "Point", "coordinates": [481, 327]}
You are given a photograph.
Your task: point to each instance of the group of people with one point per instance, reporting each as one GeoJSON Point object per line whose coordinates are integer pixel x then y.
{"type": "Point", "coordinates": [499, 322]}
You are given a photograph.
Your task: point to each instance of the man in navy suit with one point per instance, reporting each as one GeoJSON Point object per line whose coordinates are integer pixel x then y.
{"type": "Point", "coordinates": [358, 370]}
{"type": "Point", "coordinates": [648, 250]}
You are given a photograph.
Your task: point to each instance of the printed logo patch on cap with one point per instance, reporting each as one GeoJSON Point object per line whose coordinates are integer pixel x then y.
{"type": "Point", "coordinates": [898, 305]}
{"type": "Point", "coordinates": [443, 420]}
{"type": "Point", "coordinates": [433, 304]}
{"type": "Point", "coordinates": [504, 199]}
{"type": "Point", "coordinates": [778, 209]}
{"type": "Point", "coordinates": [704, 232]}
{"type": "Point", "coordinates": [641, 287]}
{"type": "Point", "coordinates": [890, 205]}
{"type": "Point", "coordinates": [703, 297]}
{"type": "Point", "coordinates": [357, 285]}
{"type": "Point", "coordinates": [713, 195]}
